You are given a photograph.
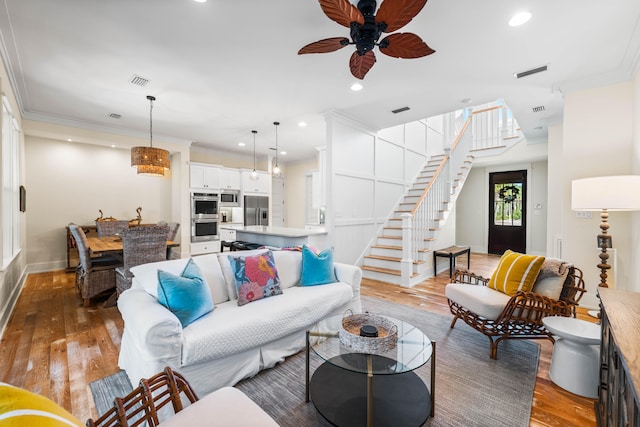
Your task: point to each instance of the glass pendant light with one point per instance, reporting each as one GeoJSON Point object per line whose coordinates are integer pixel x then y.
{"type": "Point", "coordinates": [276, 168]}
{"type": "Point", "coordinates": [254, 175]}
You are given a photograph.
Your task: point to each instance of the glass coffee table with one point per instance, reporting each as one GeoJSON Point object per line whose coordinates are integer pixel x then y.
{"type": "Point", "coordinates": [360, 389]}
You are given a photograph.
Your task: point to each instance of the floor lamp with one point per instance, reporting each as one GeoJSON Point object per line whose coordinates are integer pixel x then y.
{"type": "Point", "coordinates": [605, 194]}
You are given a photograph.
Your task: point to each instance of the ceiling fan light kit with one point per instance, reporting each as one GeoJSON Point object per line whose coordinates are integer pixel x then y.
{"type": "Point", "coordinates": [366, 28]}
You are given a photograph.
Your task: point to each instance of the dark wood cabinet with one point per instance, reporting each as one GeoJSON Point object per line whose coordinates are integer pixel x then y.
{"type": "Point", "coordinates": [618, 394]}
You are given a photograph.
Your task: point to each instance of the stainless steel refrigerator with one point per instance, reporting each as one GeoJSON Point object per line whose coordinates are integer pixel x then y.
{"type": "Point", "coordinates": [256, 210]}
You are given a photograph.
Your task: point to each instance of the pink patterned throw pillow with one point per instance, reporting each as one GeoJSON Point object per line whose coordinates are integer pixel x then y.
{"type": "Point", "coordinates": [256, 277]}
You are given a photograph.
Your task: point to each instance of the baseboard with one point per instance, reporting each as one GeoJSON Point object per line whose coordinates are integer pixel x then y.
{"type": "Point", "coordinates": [46, 266]}
{"type": "Point", "coordinates": [7, 310]}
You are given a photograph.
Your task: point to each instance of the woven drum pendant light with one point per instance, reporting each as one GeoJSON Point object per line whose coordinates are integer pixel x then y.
{"type": "Point", "coordinates": [150, 160]}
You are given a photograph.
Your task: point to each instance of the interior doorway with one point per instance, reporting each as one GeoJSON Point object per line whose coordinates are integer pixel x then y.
{"type": "Point", "coordinates": [507, 211]}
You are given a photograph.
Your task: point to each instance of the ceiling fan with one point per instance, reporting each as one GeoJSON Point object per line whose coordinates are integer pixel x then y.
{"type": "Point", "coordinates": [367, 27]}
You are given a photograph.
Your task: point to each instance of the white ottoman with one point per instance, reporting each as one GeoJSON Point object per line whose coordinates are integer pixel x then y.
{"type": "Point", "coordinates": [576, 355]}
{"type": "Point", "coordinates": [225, 407]}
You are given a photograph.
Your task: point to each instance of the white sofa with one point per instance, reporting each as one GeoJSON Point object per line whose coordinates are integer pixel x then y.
{"type": "Point", "coordinates": [232, 342]}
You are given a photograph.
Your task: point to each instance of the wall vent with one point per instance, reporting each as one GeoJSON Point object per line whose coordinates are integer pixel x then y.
{"type": "Point", "coordinates": [538, 109]}
{"type": "Point", "coordinates": [400, 110]}
{"type": "Point", "coordinates": [529, 72]}
{"type": "Point", "coordinates": [115, 115]}
{"type": "Point", "coordinates": [138, 80]}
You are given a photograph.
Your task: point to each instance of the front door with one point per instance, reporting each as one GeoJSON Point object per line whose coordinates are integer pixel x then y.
{"type": "Point", "coordinates": [507, 212]}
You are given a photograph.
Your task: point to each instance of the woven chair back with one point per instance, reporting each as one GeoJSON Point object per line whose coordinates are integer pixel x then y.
{"type": "Point", "coordinates": [82, 244]}
{"type": "Point", "coordinates": [144, 244]}
{"type": "Point", "coordinates": [110, 228]}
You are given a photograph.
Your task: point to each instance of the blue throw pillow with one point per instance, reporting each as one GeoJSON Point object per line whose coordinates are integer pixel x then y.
{"type": "Point", "coordinates": [187, 296]}
{"type": "Point", "coordinates": [317, 269]}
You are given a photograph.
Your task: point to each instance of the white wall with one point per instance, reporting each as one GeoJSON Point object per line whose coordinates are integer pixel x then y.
{"type": "Point", "coordinates": [296, 192]}
{"type": "Point", "coordinates": [71, 182]}
{"type": "Point", "coordinates": [596, 141]}
{"type": "Point", "coordinates": [367, 175]}
{"type": "Point", "coordinates": [634, 280]}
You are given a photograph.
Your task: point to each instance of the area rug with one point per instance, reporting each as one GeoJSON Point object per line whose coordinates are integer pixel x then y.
{"type": "Point", "coordinates": [471, 388]}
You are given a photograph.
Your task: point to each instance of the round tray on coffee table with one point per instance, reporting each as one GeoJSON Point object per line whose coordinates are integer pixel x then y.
{"type": "Point", "coordinates": [354, 388]}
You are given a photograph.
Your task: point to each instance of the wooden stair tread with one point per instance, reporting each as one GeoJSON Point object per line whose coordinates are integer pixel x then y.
{"type": "Point", "coordinates": [395, 248]}
{"type": "Point", "coordinates": [390, 258]}
{"type": "Point", "coordinates": [390, 237]}
{"type": "Point", "coordinates": [385, 271]}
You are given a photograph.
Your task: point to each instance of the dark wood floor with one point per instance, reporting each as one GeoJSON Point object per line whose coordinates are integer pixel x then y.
{"type": "Point", "coordinates": [56, 347]}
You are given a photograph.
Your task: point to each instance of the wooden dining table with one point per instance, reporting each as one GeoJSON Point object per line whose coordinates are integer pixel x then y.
{"type": "Point", "coordinates": [112, 245]}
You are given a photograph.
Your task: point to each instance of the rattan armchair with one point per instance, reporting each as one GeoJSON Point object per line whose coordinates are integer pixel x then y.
{"type": "Point", "coordinates": [110, 228]}
{"type": "Point", "coordinates": [93, 276]}
{"type": "Point", "coordinates": [144, 403]}
{"type": "Point", "coordinates": [522, 316]}
{"type": "Point", "coordinates": [141, 245]}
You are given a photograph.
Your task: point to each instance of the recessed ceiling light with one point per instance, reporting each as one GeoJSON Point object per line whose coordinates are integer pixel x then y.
{"type": "Point", "coordinates": [356, 87]}
{"type": "Point", "coordinates": [200, 1]}
{"type": "Point", "coordinates": [69, 139]}
{"type": "Point", "coordinates": [466, 101]}
{"type": "Point", "coordinates": [302, 124]}
{"type": "Point", "coordinates": [284, 153]}
{"type": "Point", "coordinates": [519, 19]}
{"type": "Point", "coordinates": [113, 145]}
{"type": "Point", "coordinates": [241, 144]}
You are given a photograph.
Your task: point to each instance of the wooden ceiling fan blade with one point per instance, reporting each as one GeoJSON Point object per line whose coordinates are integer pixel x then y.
{"type": "Point", "coordinates": [361, 64]}
{"type": "Point", "coordinates": [404, 45]}
{"type": "Point", "coordinates": [398, 13]}
{"type": "Point", "coordinates": [325, 45]}
{"type": "Point", "coordinates": [341, 11]}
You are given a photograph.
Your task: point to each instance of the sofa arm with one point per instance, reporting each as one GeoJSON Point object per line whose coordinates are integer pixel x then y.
{"type": "Point", "coordinates": [155, 331]}
{"type": "Point", "coordinates": [351, 275]}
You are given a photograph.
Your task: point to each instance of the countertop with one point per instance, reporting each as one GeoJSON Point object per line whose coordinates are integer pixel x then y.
{"type": "Point", "coordinates": [274, 231]}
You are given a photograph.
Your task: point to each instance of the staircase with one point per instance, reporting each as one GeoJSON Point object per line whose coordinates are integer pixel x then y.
{"type": "Point", "coordinates": [402, 251]}
{"type": "Point", "coordinates": [385, 260]}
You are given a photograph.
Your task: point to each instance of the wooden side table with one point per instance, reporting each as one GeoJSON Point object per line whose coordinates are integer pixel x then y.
{"type": "Point", "coordinates": [452, 252]}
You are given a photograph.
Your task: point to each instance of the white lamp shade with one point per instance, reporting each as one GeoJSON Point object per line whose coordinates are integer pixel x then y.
{"type": "Point", "coordinates": [614, 193]}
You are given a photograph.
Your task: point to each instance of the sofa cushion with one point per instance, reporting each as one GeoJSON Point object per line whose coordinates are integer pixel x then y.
{"type": "Point", "coordinates": [289, 265]}
{"type": "Point", "coordinates": [146, 275]}
{"type": "Point", "coordinates": [19, 407]}
{"type": "Point", "coordinates": [187, 296]}
{"type": "Point", "coordinates": [230, 329]}
{"type": "Point", "coordinates": [256, 277]}
{"type": "Point", "coordinates": [482, 300]}
{"type": "Point", "coordinates": [317, 268]}
{"type": "Point", "coordinates": [515, 272]}
{"type": "Point", "coordinates": [550, 281]}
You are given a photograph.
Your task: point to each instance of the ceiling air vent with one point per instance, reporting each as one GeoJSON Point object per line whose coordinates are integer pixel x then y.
{"type": "Point", "coordinates": [400, 110]}
{"type": "Point", "coordinates": [115, 115]}
{"type": "Point", "coordinates": [538, 109]}
{"type": "Point", "coordinates": [529, 72]}
{"type": "Point", "coordinates": [138, 80]}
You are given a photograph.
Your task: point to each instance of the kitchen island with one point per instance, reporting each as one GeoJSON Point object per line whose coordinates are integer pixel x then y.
{"type": "Point", "coordinates": [280, 236]}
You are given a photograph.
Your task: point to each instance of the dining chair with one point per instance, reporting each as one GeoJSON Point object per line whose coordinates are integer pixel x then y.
{"type": "Point", "coordinates": [140, 245]}
{"type": "Point", "coordinates": [111, 228]}
{"type": "Point", "coordinates": [173, 233]}
{"type": "Point", "coordinates": [93, 275]}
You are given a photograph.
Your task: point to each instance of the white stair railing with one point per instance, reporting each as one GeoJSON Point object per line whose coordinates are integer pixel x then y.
{"type": "Point", "coordinates": [491, 126]}
{"type": "Point", "coordinates": [421, 225]}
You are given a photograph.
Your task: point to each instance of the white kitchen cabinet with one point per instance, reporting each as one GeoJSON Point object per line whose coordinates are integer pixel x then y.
{"type": "Point", "coordinates": [205, 247]}
{"type": "Point", "coordinates": [259, 186]}
{"type": "Point", "coordinates": [229, 179]}
{"type": "Point", "coordinates": [227, 235]}
{"type": "Point", "coordinates": [204, 177]}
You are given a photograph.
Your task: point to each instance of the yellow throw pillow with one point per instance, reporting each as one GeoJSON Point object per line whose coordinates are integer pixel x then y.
{"type": "Point", "coordinates": [515, 272]}
{"type": "Point", "coordinates": [19, 407]}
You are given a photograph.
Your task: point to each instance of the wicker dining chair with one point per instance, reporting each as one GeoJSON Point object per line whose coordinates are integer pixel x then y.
{"type": "Point", "coordinates": [141, 245]}
{"type": "Point", "coordinates": [144, 403]}
{"type": "Point", "coordinates": [173, 233]}
{"type": "Point", "coordinates": [110, 228]}
{"type": "Point", "coordinates": [93, 276]}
